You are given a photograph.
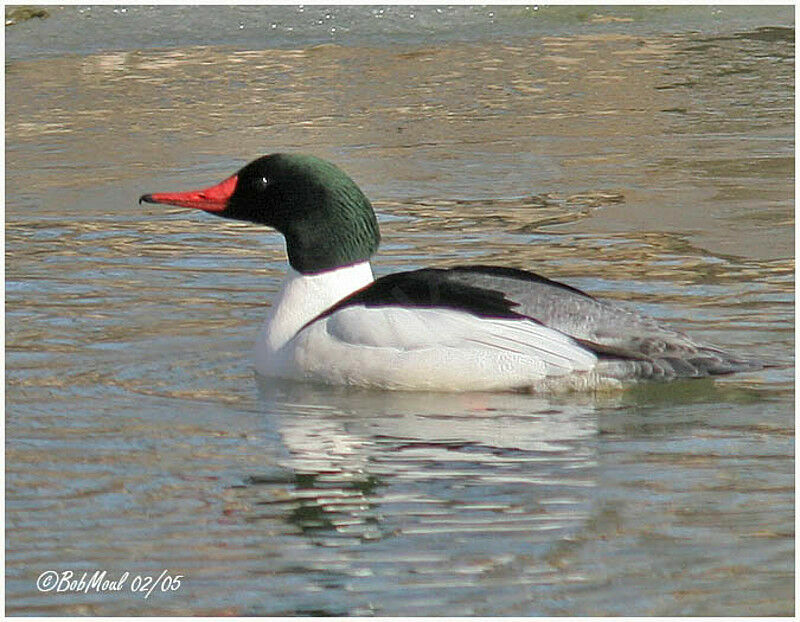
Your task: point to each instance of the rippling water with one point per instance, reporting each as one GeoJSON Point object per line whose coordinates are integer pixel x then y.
{"type": "Point", "coordinates": [644, 155]}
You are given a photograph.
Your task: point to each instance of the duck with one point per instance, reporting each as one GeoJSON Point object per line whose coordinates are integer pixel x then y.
{"type": "Point", "coordinates": [461, 328]}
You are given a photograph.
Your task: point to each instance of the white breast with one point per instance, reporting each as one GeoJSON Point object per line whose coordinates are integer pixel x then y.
{"type": "Point", "coordinates": [302, 298]}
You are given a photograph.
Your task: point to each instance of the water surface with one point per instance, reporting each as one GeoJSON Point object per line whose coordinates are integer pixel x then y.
{"type": "Point", "coordinates": [645, 155]}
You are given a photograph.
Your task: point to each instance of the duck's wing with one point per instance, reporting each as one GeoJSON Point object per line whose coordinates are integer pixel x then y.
{"type": "Point", "coordinates": [609, 330]}
{"type": "Point", "coordinates": [427, 310]}
{"type": "Point", "coordinates": [630, 344]}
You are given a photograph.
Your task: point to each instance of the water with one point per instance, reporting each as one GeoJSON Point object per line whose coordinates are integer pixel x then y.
{"type": "Point", "coordinates": [643, 154]}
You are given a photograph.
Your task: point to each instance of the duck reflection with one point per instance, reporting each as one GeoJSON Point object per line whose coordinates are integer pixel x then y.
{"type": "Point", "coordinates": [367, 464]}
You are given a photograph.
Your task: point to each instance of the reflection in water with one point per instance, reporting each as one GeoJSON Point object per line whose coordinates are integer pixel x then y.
{"type": "Point", "coordinates": [468, 490]}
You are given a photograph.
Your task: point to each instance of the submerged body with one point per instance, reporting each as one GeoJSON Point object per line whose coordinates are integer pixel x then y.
{"type": "Point", "coordinates": [459, 329]}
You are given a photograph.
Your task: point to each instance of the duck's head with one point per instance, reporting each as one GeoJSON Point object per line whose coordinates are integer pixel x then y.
{"type": "Point", "coordinates": [326, 219]}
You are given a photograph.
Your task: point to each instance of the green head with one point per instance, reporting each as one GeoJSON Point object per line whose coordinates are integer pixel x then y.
{"type": "Point", "coordinates": [326, 219]}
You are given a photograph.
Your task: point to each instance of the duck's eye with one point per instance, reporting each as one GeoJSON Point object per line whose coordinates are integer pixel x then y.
{"type": "Point", "coordinates": [260, 183]}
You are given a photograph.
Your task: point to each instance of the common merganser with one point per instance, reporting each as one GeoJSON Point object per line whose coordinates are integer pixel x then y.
{"type": "Point", "coordinates": [456, 329]}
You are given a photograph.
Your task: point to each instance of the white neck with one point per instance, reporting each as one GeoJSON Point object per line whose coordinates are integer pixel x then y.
{"type": "Point", "coordinates": [303, 297]}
